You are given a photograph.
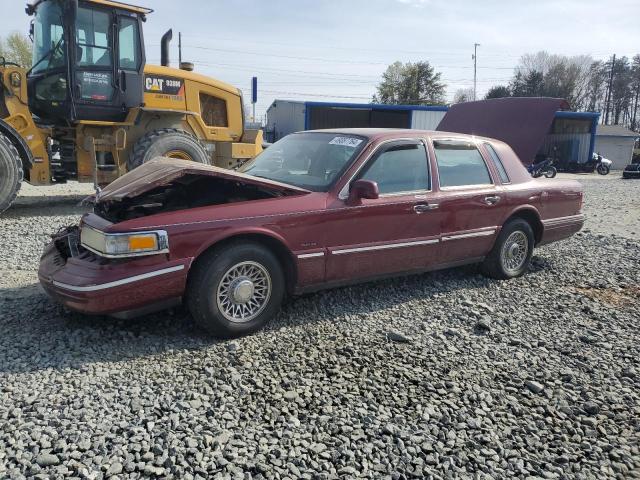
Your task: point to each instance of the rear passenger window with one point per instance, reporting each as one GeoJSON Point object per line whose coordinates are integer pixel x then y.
{"type": "Point", "coordinates": [504, 177]}
{"type": "Point", "coordinates": [460, 164]}
{"type": "Point", "coordinates": [400, 168]}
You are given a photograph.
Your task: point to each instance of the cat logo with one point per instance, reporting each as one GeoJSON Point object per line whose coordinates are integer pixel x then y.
{"type": "Point", "coordinates": [164, 85]}
{"type": "Point", "coordinates": [153, 84]}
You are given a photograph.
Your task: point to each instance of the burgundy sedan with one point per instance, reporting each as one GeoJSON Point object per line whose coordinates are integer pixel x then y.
{"type": "Point", "coordinates": [315, 210]}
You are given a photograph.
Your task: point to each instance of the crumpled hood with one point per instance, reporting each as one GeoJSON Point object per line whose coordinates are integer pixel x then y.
{"type": "Point", "coordinates": [162, 171]}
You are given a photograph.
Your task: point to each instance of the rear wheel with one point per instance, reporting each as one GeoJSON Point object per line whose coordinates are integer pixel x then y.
{"type": "Point", "coordinates": [235, 290]}
{"type": "Point", "coordinates": [167, 142]}
{"type": "Point", "coordinates": [11, 173]}
{"type": "Point", "coordinates": [512, 251]}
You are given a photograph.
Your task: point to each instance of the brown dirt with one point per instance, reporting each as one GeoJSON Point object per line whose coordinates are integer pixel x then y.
{"type": "Point", "coordinates": [612, 296]}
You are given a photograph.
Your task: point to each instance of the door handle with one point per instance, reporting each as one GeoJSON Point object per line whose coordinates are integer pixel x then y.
{"type": "Point", "coordinates": [424, 207]}
{"type": "Point", "coordinates": [492, 199]}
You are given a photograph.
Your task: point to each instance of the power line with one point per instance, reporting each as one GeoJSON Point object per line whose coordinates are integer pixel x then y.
{"type": "Point", "coordinates": [331, 60]}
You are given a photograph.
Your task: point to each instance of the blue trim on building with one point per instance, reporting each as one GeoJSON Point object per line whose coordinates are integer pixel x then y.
{"type": "Point", "coordinates": [594, 127]}
{"type": "Point", "coordinates": [576, 115]}
{"type": "Point", "coordinates": [593, 116]}
{"type": "Point", "coordinates": [378, 106]}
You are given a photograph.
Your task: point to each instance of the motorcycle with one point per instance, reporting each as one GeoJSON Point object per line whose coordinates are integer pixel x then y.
{"type": "Point", "coordinates": [545, 167]}
{"type": "Point", "coordinates": [597, 163]}
{"type": "Point", "coordinates": [603, 165]}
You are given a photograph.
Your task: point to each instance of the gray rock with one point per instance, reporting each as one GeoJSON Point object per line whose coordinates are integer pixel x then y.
{"type": "Point", "coordinates": [114, 469]}
{"type": "Point", "coordinates": [591, 408]}
{"type": "Point", "coordinates": [483, 325]}
{"type": "Point", "coordinates": [47, 460]}
{"type": "Point", "coordinates": [398, 337]}
{"type": "Point", "coordinates": [533, 386]}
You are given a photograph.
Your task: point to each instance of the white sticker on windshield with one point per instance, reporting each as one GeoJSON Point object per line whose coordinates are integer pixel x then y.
{"type": "Point", "coordinates": [346, 141]}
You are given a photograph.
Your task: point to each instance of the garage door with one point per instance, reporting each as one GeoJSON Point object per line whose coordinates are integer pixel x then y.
{"type": "Point", "coordinates": [619, 151]}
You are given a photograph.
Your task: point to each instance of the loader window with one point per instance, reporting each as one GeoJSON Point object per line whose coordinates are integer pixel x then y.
{"type": "Point", "coordinates": [92, 33]}
{"type": "Point", "coordinates": [48, 39]}
{"type": "Point", "coordinates": [213, 111]}
{"type": "Point", "coordinates": [129, 44]}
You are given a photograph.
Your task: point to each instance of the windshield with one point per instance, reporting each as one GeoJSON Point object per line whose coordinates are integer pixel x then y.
{"type": "Point", "coordinates": [309, 160]}
{"type": "Point", "coordinates": [48, 41]}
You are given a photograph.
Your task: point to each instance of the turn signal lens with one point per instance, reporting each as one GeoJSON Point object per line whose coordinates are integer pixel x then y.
{"type": "Point", "coordinates": [143, 242]}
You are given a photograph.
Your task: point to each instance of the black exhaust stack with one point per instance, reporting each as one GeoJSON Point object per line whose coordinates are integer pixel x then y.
{"type": "Point", "coordinates": [164, 48]}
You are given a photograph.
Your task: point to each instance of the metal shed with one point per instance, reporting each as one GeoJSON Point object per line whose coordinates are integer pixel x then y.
{"type": "Point", "coordinates": [616, 143]}
{"type": "Point", "coordinates": [287, 116]}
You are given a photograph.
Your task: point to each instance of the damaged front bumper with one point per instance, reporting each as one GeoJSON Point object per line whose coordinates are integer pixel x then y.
{"type": "Point", "coordinates": [88, 283]}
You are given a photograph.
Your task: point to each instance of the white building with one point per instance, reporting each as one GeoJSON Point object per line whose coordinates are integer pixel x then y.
{"type": "Point", "coordinates": [616, 142]}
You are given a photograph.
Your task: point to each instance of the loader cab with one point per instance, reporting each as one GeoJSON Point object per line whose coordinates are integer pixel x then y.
{"type": "Point", "coordinates": [88, 60]}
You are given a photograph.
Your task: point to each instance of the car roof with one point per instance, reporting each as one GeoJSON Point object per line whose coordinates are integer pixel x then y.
{"type": "Point", "coordinates": [387, 133]}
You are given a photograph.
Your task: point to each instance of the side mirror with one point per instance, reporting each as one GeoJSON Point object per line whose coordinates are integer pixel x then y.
{"type": "Point", "coordinates": [362, 189]}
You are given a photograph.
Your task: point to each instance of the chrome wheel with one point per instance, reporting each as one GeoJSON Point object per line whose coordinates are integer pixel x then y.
{"type": "Point", "coordinates": [244, 292]}
{"type": "Point", "coordinates": [514, 252]}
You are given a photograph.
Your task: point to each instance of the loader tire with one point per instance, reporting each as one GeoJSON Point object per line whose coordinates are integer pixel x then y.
{"type": "Point", "coordinates": [11, 173]}
{"type": "Point", "coordinates": [167, 142]}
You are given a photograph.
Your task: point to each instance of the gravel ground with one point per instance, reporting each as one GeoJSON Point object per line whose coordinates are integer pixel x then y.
{"type": "Point", "coordinates": [443, 375]}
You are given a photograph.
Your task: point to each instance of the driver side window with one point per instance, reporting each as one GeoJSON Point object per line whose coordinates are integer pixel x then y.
{"type": "Point", "coordinates": [398, 168]}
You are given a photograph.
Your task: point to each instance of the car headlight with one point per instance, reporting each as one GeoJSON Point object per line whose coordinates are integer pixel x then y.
{"type": "Point", "coordinates": [113, 245]}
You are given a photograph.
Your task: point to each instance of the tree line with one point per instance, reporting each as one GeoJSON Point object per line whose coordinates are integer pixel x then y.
{"type": "Point", "coordinates": [611, 87]}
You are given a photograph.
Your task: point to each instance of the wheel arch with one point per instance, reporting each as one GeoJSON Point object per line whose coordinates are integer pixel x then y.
{"type": "Point", "coordinates": [267, 239]}
{"type": "Point", "coordinates": [21, 145]}
{"type": "Point", "coordinates": [532, 216]}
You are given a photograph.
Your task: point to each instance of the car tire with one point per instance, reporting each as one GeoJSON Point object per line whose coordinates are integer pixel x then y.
{"type": "Point", "coordinates": [167, 142]}
{"type": "Point", "coordinates": [235, 290]}
{"type": "Point", "coordinates": [11, 173]}
{"type": "Point", "coordinates": [511, 254]}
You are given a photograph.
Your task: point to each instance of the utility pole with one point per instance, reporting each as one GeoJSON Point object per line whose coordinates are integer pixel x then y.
{"type": "Point", "coordinates": [475, 62]}
{"type": "Point", "coordinates": [608, 101]}
{"type": "Point", "coordinates": [179, 49]}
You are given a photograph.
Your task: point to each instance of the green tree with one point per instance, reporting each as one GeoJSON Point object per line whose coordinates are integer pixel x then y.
{"type": "Point", "coordinates": [16, 48]}
{"type": "Point", "coordinates": [498, 91]}
{"type": "Point", "coordinates": [529, 84]}
{"type": "Point", "coordinates": [410, 84]}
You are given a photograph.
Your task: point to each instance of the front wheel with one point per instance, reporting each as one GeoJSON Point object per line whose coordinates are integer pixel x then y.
{"type": "Point", "coordinates": [603, 169]}
{"type": "Point", "coordinates": [551, 172]}
{"type": "Point", "coordinates": [512, 251]}
{"type": "Point", "coordinates": [11, 173]}
{"type": "Point", "coordinates": [235, 290]}
{"type": "Point", "coordinates": [167, 142]}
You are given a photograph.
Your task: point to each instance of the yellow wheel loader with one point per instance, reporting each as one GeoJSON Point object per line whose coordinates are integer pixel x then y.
{"type": "Point", "coordinates": [91, 109]}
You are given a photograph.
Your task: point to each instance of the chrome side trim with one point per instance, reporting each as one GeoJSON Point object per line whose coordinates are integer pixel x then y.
{"type": "Point", "coordinates": [483, 233]}
{"type": "Point", "coordinates": [310, 255]}
{"type": "Point", "coordinates": [559, 221]}
{"type": "Point", "coordinates": [384, 247]}
{"type": "Point", "coordinates": [117, 283]}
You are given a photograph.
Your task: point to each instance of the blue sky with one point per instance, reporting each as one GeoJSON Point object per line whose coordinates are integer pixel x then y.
{"type": "Point", "coordinates": [337, 50]}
